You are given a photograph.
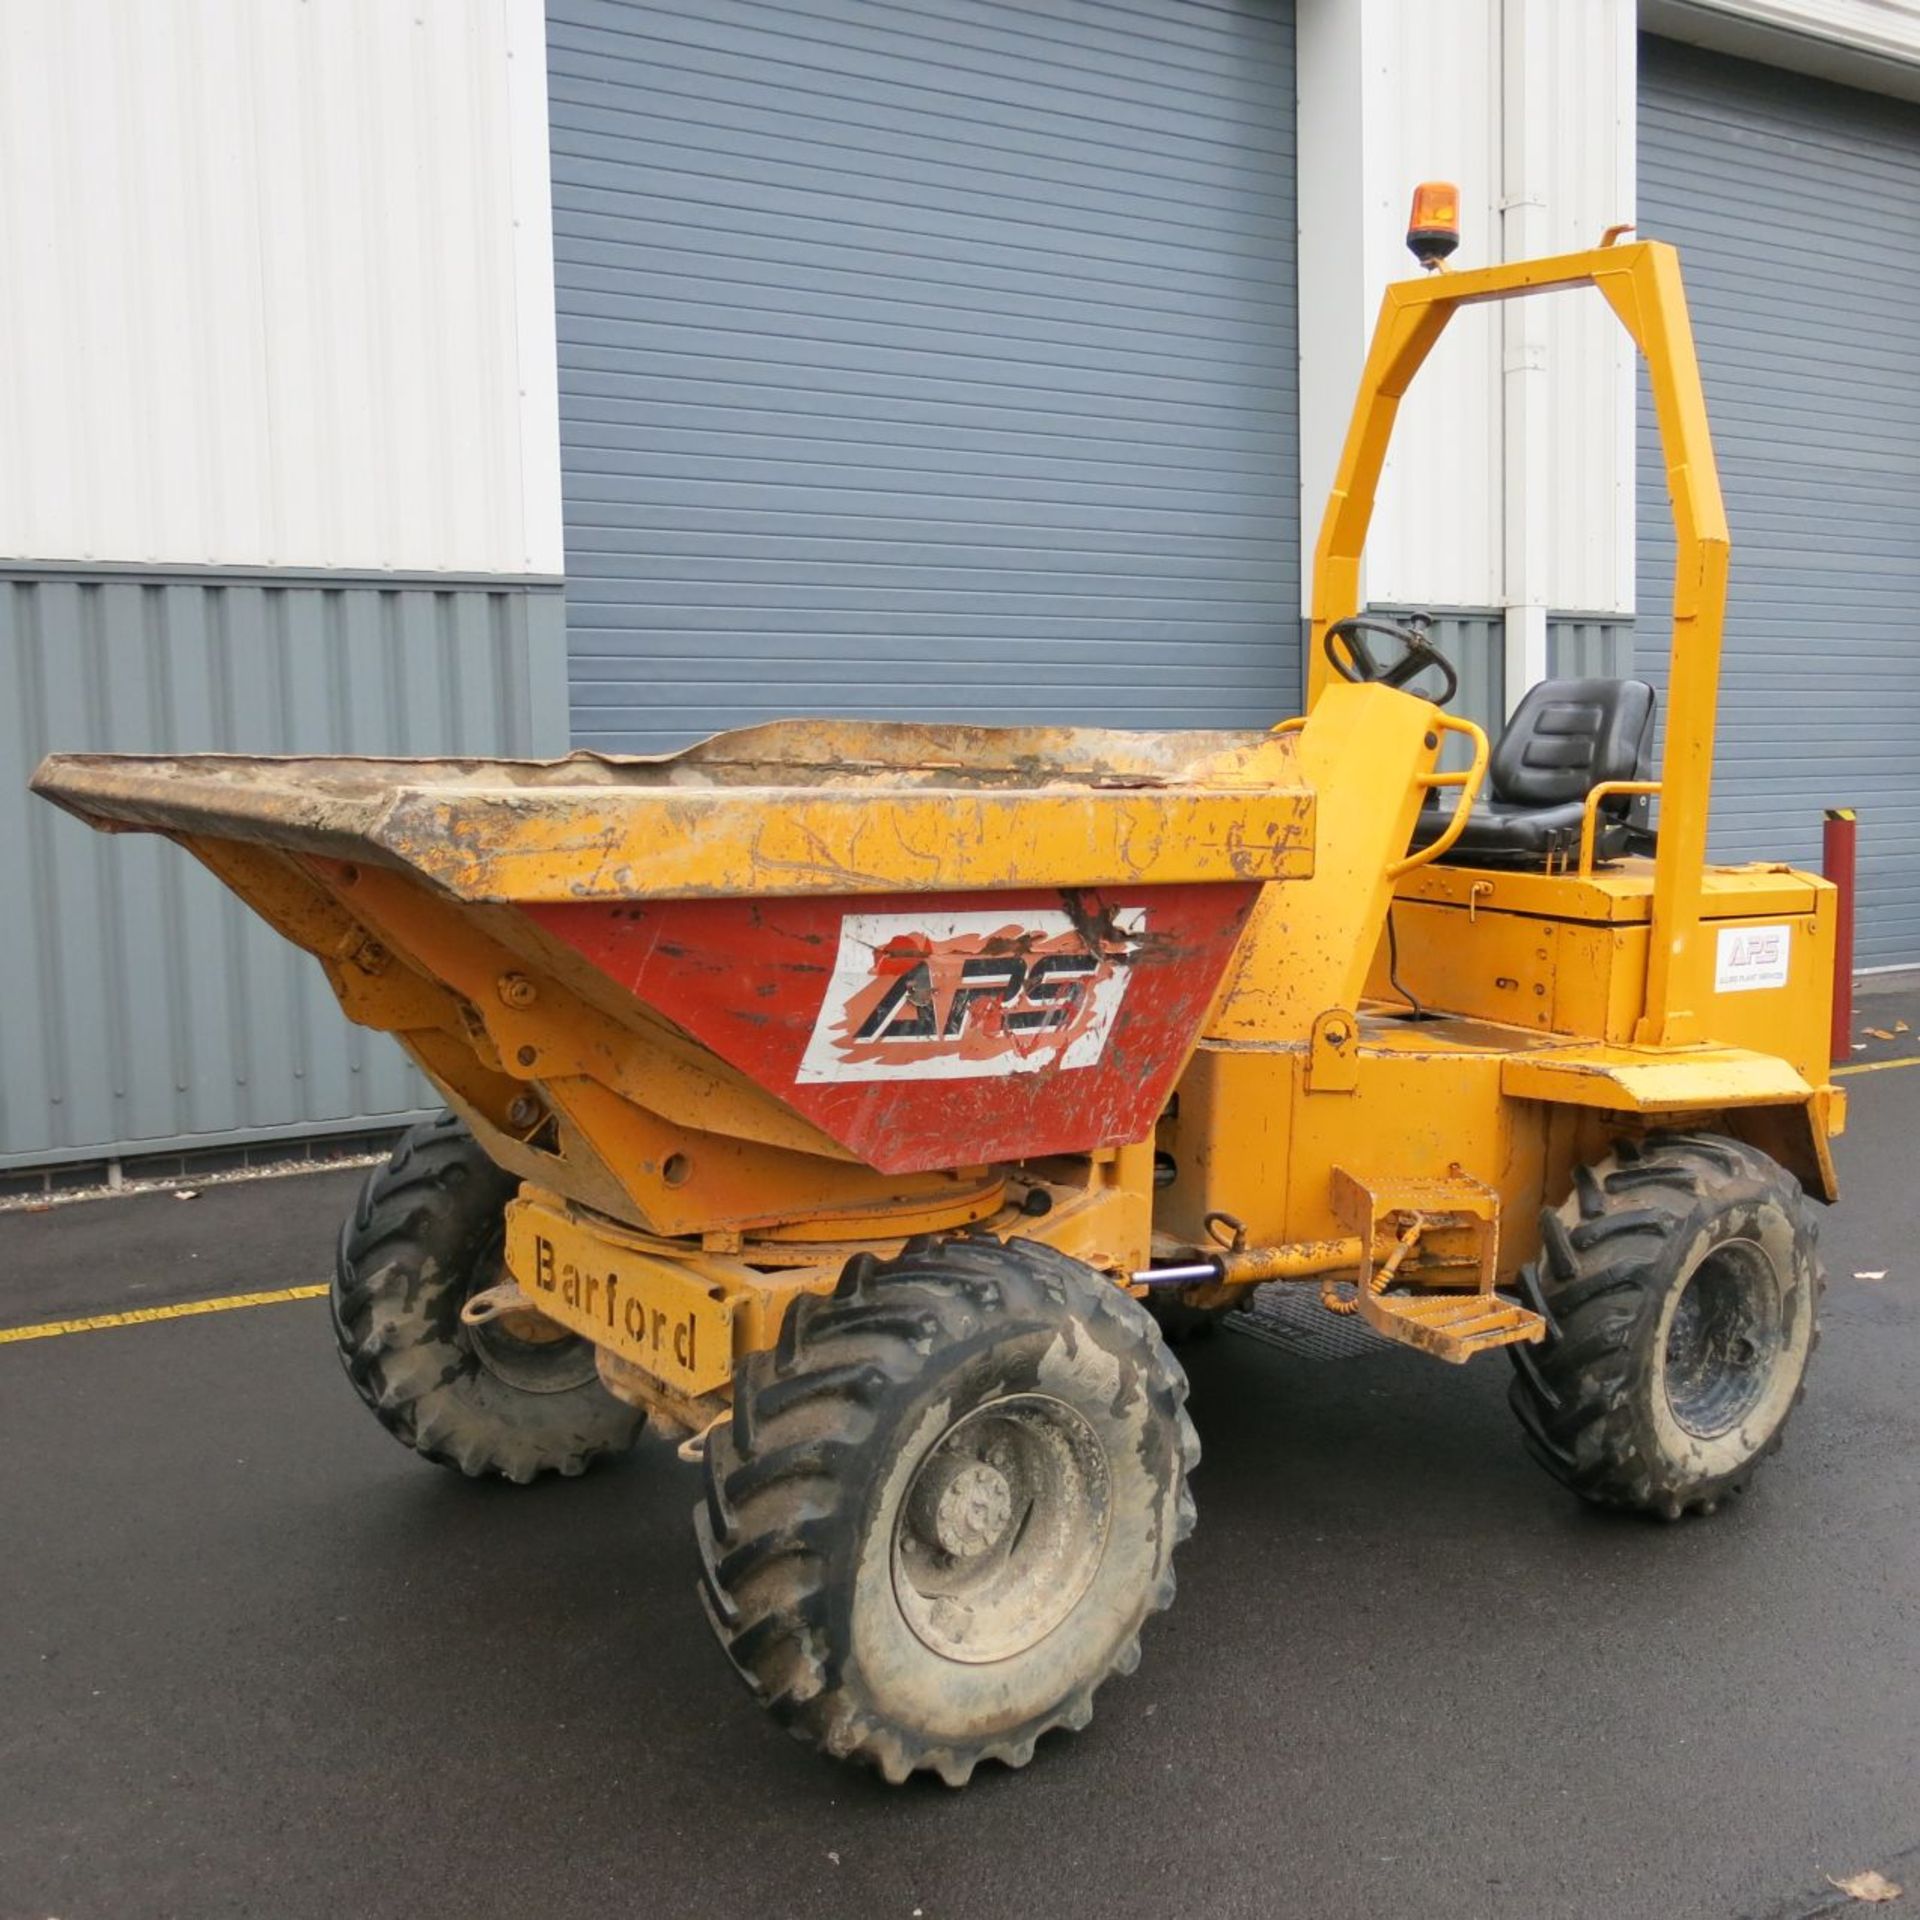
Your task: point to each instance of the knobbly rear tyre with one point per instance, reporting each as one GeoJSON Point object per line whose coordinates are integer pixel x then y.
{"type": "Point", "coordinates": [945, 1504]}
{"type": "Point", "coordinates": [425, 1236]}
{"type": "Point", "coordinates": [1681, 1286]}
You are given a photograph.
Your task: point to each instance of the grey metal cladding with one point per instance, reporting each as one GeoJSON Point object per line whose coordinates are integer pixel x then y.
{"type": "Point", "coordinates": [147, 1009]}
{"type": "Point", "coordinates": [1796, 206]}
{"type": "Point", "coordinates": [1590, 646]}
{"type": "Point", "coordinates": [934, 358]}
{"type": "Point", "coordinates": [1474, 641]}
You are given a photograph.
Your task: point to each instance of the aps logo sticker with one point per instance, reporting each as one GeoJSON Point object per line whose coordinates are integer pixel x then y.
{"type": "Point", "coordinates": [963, 996]}
{"type": "Point", "coordinates": [1747, 958]}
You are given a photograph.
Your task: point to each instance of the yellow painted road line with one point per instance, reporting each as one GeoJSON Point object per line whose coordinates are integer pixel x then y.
{"type": "Point", "coordinates": [1875, 1066]}
{"type": "Point", "coordinates": [139, 1316]}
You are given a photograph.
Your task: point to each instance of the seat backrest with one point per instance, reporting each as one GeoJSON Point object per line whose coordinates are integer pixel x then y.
{"type": "Point", "coordinates": [1567, 736]}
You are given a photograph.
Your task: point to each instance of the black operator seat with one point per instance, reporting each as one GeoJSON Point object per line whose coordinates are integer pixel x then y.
{"type": "Point", "coordinates": [1563, 740]}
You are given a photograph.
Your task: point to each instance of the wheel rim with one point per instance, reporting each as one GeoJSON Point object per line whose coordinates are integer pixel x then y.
{"type": "Point", "coordinates": [1726, 1334]}
{"type": "Point", "coordinates": [555, 1363]}
{"type": "Point", "coordinates": [1002, 1528]}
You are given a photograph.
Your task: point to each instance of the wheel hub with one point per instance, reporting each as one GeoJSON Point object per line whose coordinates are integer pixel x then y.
{"type": "Point", "coordinates": [1724, 1336]}
{"type": "Point", "coordinates": [964, 1507]}
{"type": "Point", "coordinates": [1002, 1529]}
{"type": "Point", "coordinates": [514, 1341]}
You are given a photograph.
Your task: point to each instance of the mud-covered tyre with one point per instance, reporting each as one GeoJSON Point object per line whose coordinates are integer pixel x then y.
{"type": "Point", "coordinates": [945, 1505]}
{"type": "Point", "coordinates": [1681, 1286]}
{"type": "Point", "coordinates": [425, 1236]}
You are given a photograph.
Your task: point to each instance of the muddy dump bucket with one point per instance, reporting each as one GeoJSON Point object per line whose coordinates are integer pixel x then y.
{"type": "Point", "coordinates": [911, 947]}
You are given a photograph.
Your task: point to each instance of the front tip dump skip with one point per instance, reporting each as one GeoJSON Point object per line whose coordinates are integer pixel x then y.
{"type": "Point", "coordinates": [933, 958]}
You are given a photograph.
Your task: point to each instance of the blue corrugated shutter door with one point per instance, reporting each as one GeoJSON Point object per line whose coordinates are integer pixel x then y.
{"type": "Point", "coordinates": [1796, 207]}
{"type": "Point", "coordinates": [930, 358]}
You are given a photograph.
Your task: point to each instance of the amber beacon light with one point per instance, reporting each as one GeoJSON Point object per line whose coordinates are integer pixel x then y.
{"type": "Point", "coordinates": [1433, 227]}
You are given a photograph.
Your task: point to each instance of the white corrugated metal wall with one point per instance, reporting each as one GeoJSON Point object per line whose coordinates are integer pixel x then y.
{"type": "Point", "coordinates": [278, 289]}
{"type": "Point", "coordinates": [279, 468]}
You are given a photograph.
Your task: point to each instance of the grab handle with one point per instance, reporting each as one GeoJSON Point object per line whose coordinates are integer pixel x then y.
{"type": "Point", "coordinates": [1469, 781]}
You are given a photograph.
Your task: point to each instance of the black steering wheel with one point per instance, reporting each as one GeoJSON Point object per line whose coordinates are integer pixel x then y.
{"type": "Point", "coordinates": [1352, 659]}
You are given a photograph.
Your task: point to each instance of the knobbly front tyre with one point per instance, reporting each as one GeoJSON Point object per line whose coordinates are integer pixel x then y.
{"type": "Point", "coordinates": [425, 1236]}
{"type": "Point", "coordinates": [1681, 1284]}
{"type": "Point", "coordinates": [945, 1504]}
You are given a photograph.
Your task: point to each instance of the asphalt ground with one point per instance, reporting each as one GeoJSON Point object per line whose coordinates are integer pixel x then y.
{"type": "Point", "coordinates": [259, 1660]}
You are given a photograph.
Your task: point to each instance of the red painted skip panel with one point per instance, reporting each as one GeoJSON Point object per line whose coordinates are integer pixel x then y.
{"type": "Point", "coordinates": [936, 1030]}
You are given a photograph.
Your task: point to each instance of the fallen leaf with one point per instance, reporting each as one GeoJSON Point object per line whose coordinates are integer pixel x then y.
{"type": "Point", "coordinates": [1900, 1026]}
{"type": "Point", "coordinates": [1871, 1887]}
{"type": "Point", "coordinates": [1874, 1273]}
{"type": "Point", "coordinates": [1880, 1033]}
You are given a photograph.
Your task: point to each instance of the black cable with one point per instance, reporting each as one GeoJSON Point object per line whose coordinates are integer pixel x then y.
{"type": "Point", "coordinates": [1393, 970]}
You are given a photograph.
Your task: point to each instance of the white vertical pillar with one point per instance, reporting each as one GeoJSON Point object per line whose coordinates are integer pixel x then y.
{"type": "Point", "coordinates": [1336, 213]}
{"type": "Point", "coordinates": [1509, 490]}
{"type": "Point", "coordinates": [1393, 92]}
{"type": "Point", "coordinates": [1526, 100]}
{"type": "Point", "coordinates": [535, 313]}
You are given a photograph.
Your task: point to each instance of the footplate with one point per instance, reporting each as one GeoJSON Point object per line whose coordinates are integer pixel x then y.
{"type": "Point", "coordinates": [1455, 1326]}
{"type": "Point", "coordinates": [1445, 1235]}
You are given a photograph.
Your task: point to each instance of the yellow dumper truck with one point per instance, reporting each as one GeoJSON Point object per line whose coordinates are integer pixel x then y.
{"type": "Point", "coordinates": [859, 1101]}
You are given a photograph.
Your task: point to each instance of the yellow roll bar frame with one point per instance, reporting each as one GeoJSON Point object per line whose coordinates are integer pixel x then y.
{"type": "Point", "coordinates": [1641, 282]}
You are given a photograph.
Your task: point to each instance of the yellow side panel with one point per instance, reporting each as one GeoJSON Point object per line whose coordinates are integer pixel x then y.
{"type": "Point", "coordinates": [1230, 1142]}
{"type": "Point", "coordinates": [1252, 1141]}
{"type": "Point", "coordinates": [1492, 966]}
{"type": "Point", "coordinates": [1735, 994]}
{"type": "Point", "coordinates": [1761, 980]}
